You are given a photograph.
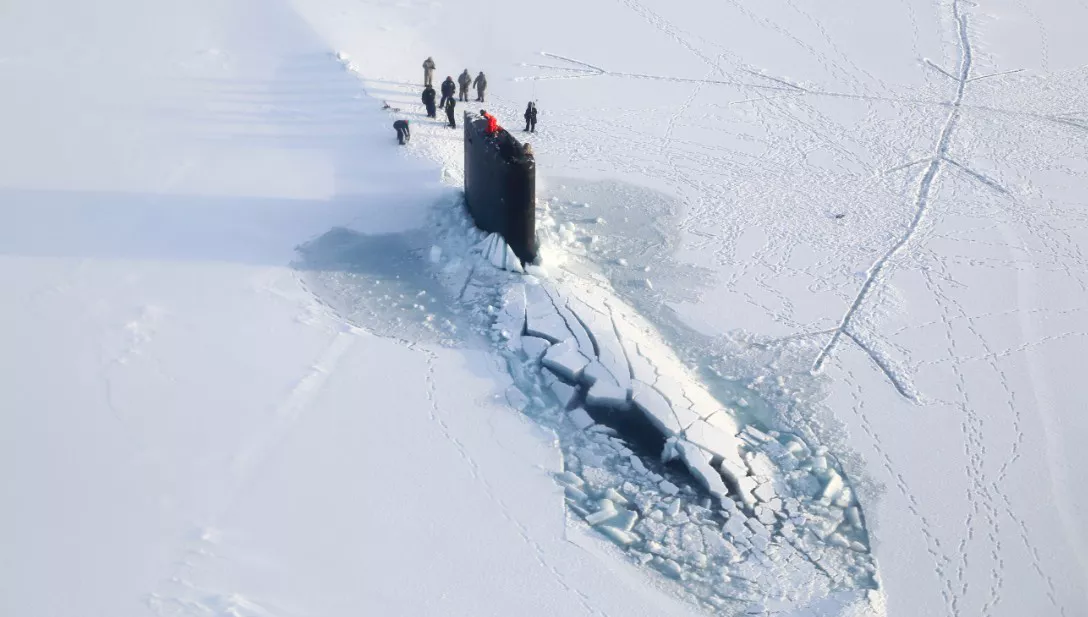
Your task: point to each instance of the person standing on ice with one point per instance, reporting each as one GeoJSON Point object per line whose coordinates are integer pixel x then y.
{"type": "Point", "coordinates": [428, 101]}
{"type": "Point", "coordinates": [403, 135]}
{"type": "Point", "coordinates": [464, 80]}
{"type": "Point", "coordinates": [530, 118]}
{"type": "Point", "coordinates": [428, 72]}
{"type": "Point", "coordinates": [451, 103]}
{"type": "Point", "coordinates": [448, 90]}
{"type": "Point", "coordinates": [481, 84]}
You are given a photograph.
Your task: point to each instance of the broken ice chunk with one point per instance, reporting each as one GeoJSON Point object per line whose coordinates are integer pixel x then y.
{"type": "Point", "coordinates": [844, 498]}
{"type": "Point", "coordinates": [563, 392]}
{"type": "Point", "coordinates": [624, 520]}
{"type": "Point", "coordinates": [723, 420]}
{"type": "Point", "coordinates": [570, 479]}
{"type": "Point", "coordinates": [575, 493]}
{"type": "Point", "coordinates": [565, 361]}
{"type": "Point", "coordinates": [548, 326]}
{"type": "Point", "coordinates": [511, 319]}
{"type": "Point", "coordinates": [833, 486]}
{"type": "Point", "coordinates": [713, 439]}
{"type": "Point", "coordinates": [619, 536]}
{"type": "Point", "coordinates": [758, 528]}
{"type": "Point", "coordinates": [713, 542]}
{"type": "Point", "coordinates": [606, 393]}
{"type": "Point", "coordinates": [673, 509]}
{"type": "Point", "coordinates": [606, 431]}
{"type": "Point", "coordinates": [732, 469]}
{"type": "Point", "coordinates": [673, 391]}
{"type": "Point", "coordinates": [656, 409]}
{"type": "Point", "coordinates": [747, 485]}
{"type": "Point", "coordinates": [671, 568]}
{"type": "Point", "coordinates": [498, 252]}
{"type": "Point", "coordinates": [577, 508]}
{"type": "Point", "coordinates": [755, 434]}
{"type": "Point", "coordinates": [581, 419]}
{"type": "Point", "coordinates": [760, 543]}
{"type": "Point", "coordinates": [559, 303]}
{"type": "Point", "coordinates": [616, 498]}
{"type": "Point", "coordinates": [764, 492]}
{"type": "Point", "coordinates": [837, 539]}
{"type": "Point", "coordinates": [542, 319]}
{"type": "Point", "coordinates": [668, 487]}
{"type": "Point", "coordinates": [824, 526]}
{"type": "Point", "coordinates": [728, 505]}
{"type": "Point", "coordinates": [591, 458]}
{"type": "Point", "coordinates": [534, 347]}
{"type": "Point", "coordinates": [853, 517]}
{"type": "Point", "coordinates": [735, 526]}
{"type": "Point", "coordinates": [641, 367]}
{"type": "Point", "coordinates": [594, 372]}
{"type": "Point", "coordinates": [807, 484]}
{"type": "Point", "coordinates": [797, 448]}
{"type": "Point", "coordinates": [595, 313]}
{"type": "Point", "coordinates": [669, 451]}
{"type": "Point", "coordinates": [698, 462]}
{"type": "Point", "coordinates": [760, 465]}
{"type": "Point", "coordinates": [765, 515]}
{"type": "Point", "coordinates": [607, 510]}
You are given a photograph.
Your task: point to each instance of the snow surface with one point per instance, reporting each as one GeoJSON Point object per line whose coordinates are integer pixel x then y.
{"type": "Point", "coordinates": [813, 290]}
{"type": "Point", "coordinates": [185, 428]}
{"type": "Point", "coordinates": [854, 187]}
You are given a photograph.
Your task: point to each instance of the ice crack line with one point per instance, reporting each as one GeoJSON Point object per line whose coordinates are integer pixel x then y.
{"type": "Point", "coordinates": [584, 69]}
{"type": "Point", "coordinates": [789, 89]}
{"type": "Point", "coordinates": [921, 200]}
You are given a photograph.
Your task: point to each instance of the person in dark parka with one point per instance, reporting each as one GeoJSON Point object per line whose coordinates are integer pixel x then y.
{"type": "Point", "coordinates": [448, 90]}
{"type": "Point", "coordinates": [530, 117]}
{"type": "Point", "coordinates": [403, 135]}
{"type": "Point", "coordinates": [451, 104]}
{"type": "Point", "coordinates": [428, 72]}
{"type": "Point", "coordinates": [464, 80]}
{"type": "Point", "coordinates": [481, 84]}
{"type": "Point", "coordinates": [428, 101]}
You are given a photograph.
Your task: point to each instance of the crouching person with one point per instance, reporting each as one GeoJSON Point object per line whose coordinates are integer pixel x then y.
{"type": "Point", "coordinates": [403, 134]}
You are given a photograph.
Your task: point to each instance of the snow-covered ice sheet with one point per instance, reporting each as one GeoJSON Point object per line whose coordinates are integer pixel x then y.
{"type": "Point", "coordinates": [893, 190]}
{"type": "Point", "coordinates": [891, 194]}
{"type": "Point", "coordinates": [185, 428]}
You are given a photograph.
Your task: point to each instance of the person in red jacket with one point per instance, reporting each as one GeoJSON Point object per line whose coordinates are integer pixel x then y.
{"type": "Point", "coordinates": [492, 122]}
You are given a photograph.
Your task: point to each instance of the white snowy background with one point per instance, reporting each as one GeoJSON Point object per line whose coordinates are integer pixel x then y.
{"type": "Point", "coordinates": [243, 373]}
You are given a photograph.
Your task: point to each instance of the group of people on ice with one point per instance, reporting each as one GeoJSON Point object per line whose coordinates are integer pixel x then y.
{"type": "Point", "coordinates": [464, 80]}
{"type": "Point", "coordinates": [448, 102]}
